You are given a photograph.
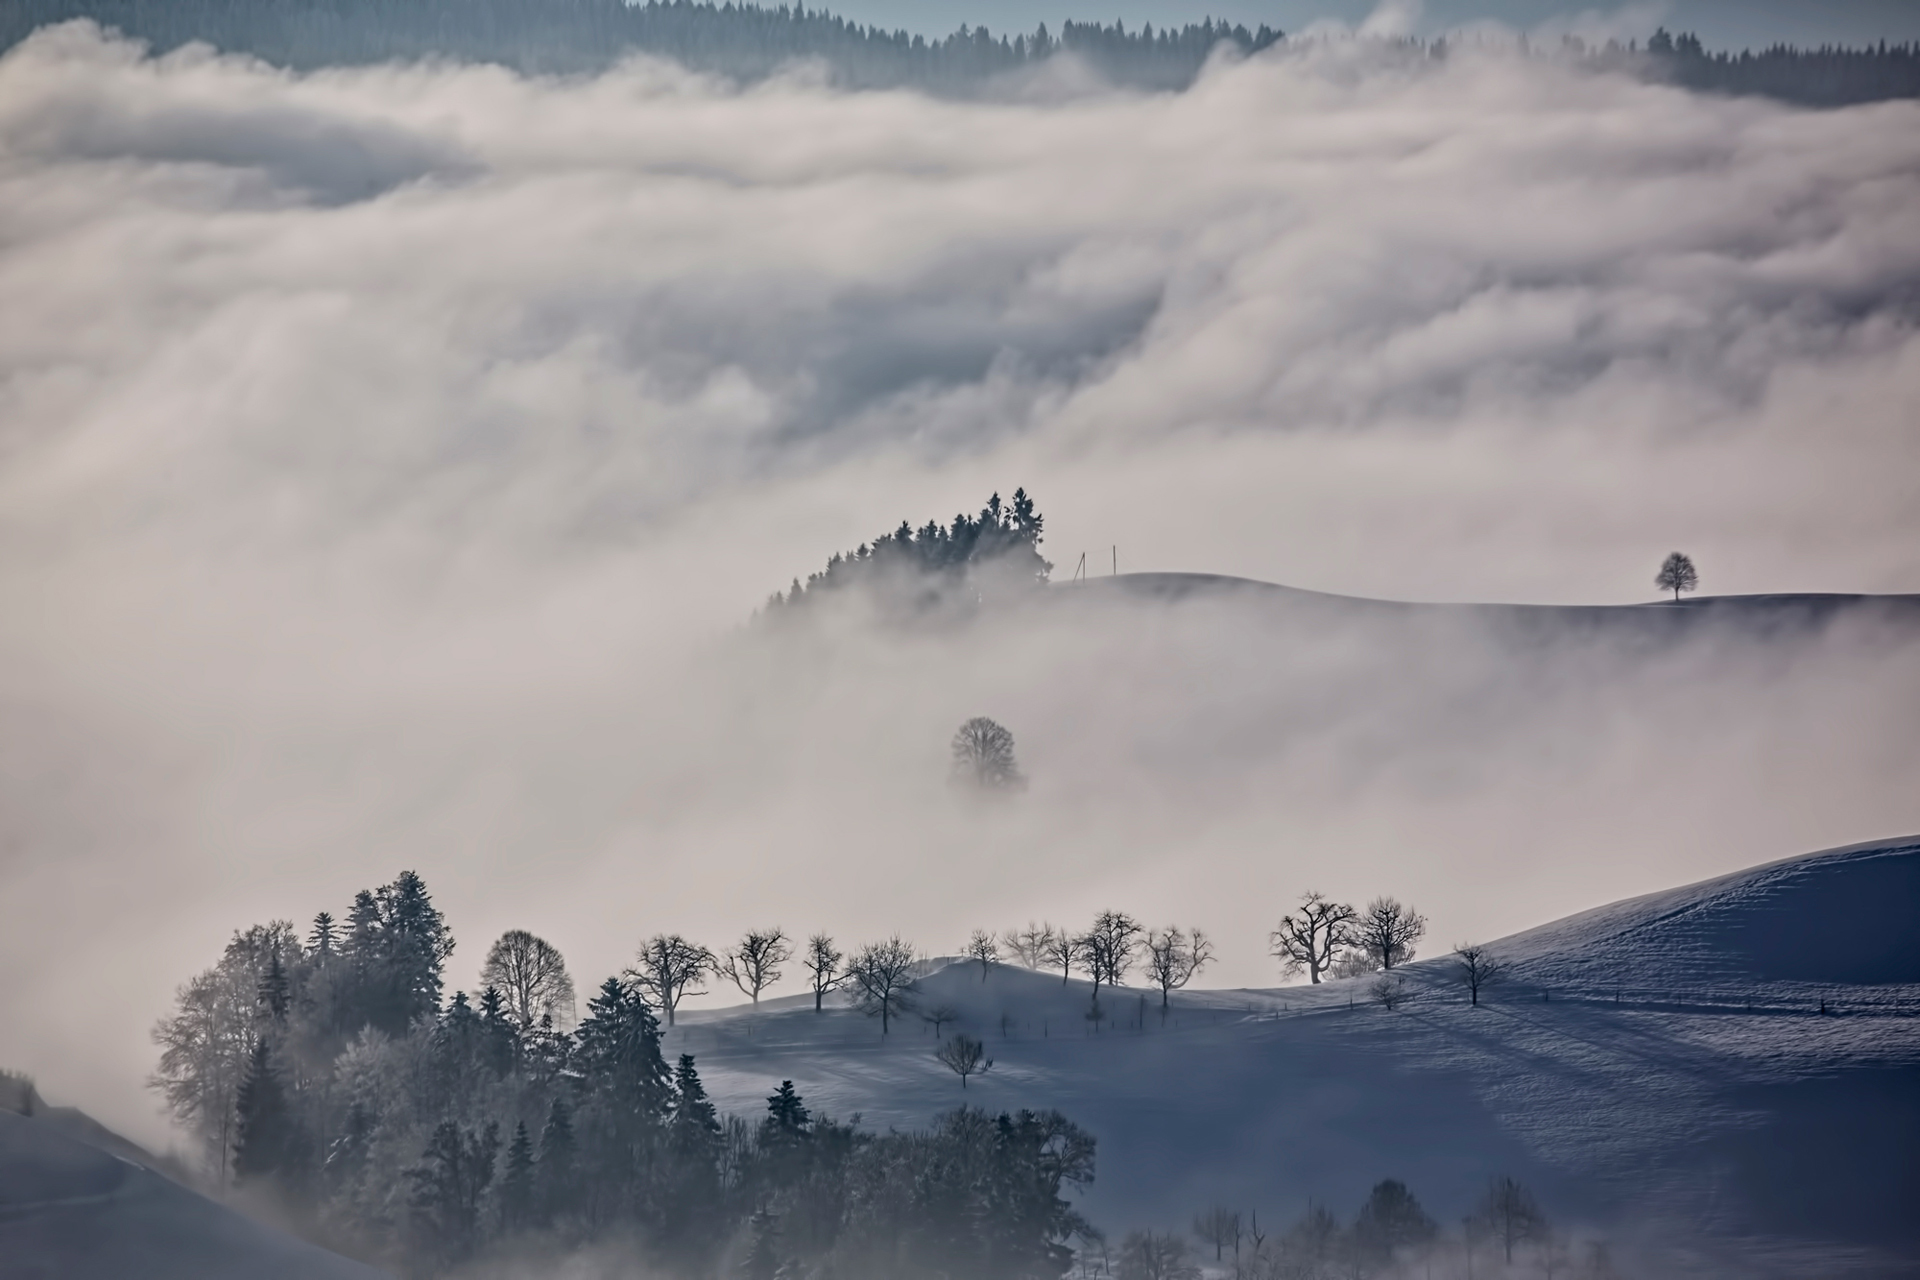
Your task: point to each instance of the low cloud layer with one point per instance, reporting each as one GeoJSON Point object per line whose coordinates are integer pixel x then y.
{"type": "Point", "coordinates": [389, 459]}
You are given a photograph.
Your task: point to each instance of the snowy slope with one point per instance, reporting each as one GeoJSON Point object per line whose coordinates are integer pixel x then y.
{"type": "Point", "coordinates": [1619, 1072]}
{"type": "Point", "coordinates": [71, 1211]}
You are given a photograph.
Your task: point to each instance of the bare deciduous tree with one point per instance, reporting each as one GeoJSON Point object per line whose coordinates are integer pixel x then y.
{"type": "Point", "coordinates": [1477, 968]}
{"type": "Point", "coordinates": [531, 976]}
{"type": "Point", "coordinates": [964, 1056]}
{"type": "Point", "coordinates": [1173, 958]}
{"type": "Point", "coordinates": [1150, 1255]}
{"type": "Point", "coordinates": [1389, 991]}
{"type": "Point", "coordinates": [982, 946]}
{"type": "Point", "coordinates": [1061, 948]}
{"type": "Point", "coordinates": [1106, 951]}
{"type": "Point", "coordinates": [822, 963]}
{"type": "Point", "coordinates": [753, 963]}
{"type": "Point", "coordinates": [983, 756]}
{"type": "Point", "coordinates": [669, 968]}
{"type": "Point", "coordinates": [1221, 1229]}
{"type": "Point", "coordinates": [939, 1016]}
{"type": "Point", "coordinates": [1313, 937]}
{"type": "Point", "coordinates": [1509, 1214]}
{"type": "Point", "coordinates": [881, 975]}
{"type": "Point", "coordinates": [1029, 945]}
{"type": "Point", "coordinates": [1388, 930]}
{"type": "Point", "coordinates": [1677, 574]}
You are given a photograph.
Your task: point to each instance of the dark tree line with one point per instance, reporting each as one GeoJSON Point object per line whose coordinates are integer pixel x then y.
{"type": "Point", "coordinates": [1828, 76]}
{"type": "Point", "coordinates": [937, 566]}
{"type": "Point", "coordinates": [329, 1074]}
{"type": "Point", "coordinates": [742, 41]}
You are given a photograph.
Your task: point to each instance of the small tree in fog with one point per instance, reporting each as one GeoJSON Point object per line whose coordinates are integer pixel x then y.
{"type": "Point", "coordinates": [1029, 945]}
{"type": "Point", "coordinates": [753, 963]}
{"type": "Point", "coordinates": [1061, 948]}
{"type": "Point", "coordinates": [822, 964]}
{"type": "Point", "coordinates": [964, 1056]}
{"type": "Point", "coordinates": [531, 976]}
{"type": "Point", "coordinates": [983, 756]}
{"type": "Point", "coordinates": [1477, 967]}
{"type": "Point", "coordinates": [881, 975]}
{"type": "Point", "coordinates": [1509, 1214]}
{"type": "Point", "coordinates": [1107, 949]}
{"type": "Point", "coordinates": [1173, 958]}
{"type": "Point", "coordinates": [1677, 574]}
{"type": "Point", "coordinates": [1391, 1220]}
{"type": "Point", "coordinates": [1151, 1255]}
{"type": "Point", "coordinates": [1389, 991]}
{"type": "Point", "coordinates": [939, 1016]}
{"type": "Point", "coordinates": [669, 968]}
{"type": "Point", "coordinates": [1387, 931]}
{"type": "Point", "coordinates": [1221, 1229]}
{"type": "Point", "coordinates": [983, 947]}
{"type": "Point", "coordinates": [1313, 937]}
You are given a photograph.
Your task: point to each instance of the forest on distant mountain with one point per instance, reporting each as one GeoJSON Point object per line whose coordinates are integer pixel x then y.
{"type": "Point", "coordinates": [750, 42]}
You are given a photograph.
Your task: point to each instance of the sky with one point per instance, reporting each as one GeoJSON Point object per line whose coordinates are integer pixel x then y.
{"type": "Point", "coordinates": [391, 460]}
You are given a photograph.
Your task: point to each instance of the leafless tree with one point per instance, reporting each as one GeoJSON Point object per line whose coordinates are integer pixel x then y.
{"type": "Point", "coordinates": [669, 969]}
{"type": "Point", "coordinates": [1107, 949]}
{"type": "Point", "coordinates": [1028, 945]}
{"type": "Point", "coordinates": [939, 1016]}
{"type": "Point", "coordinates": [1353, 963]}
{"type": "Point", "coordinates": [982, 946]}
{"type": "Point", "coordinates": [1388, 930]}
{"type": "Point", "coordinates": [1150, 1255]}
{"type": "Point", "coordinates": [983, 756]}
{"type": "Point", "coordinates": [1173, 958]}
{"type": "Point", "coordinates": [964, 1056]}
{"type": "Point", "coordinates": [822, 963]}
{"type": "Point", "coordinates": [1221, 1229]}
{"type": "Point", "coordinates": [1063, 949]}
{"type": "Point", "coordinates": [531, 977]}
{"type": "Point", "coordinates": [1677, 574]}
{"type": "Point", "coordinates": [1389, 991]}
{"type": "Point", "coordinates": [881, 975]}
{"type": "Point", "coordinates": [1313, 937]}
{"type": "Point", "coordinates": [1509, 1214]}
{"type": "Point", "coordinates": [753, 963]}
{"type": "Point", "coordinates": [1477, 968]}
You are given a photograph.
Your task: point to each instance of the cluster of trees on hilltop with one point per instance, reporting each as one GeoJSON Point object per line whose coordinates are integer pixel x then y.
{"type": "Point", "coordinates": [330, 1074]}
{"type": "Point", "coordinates": [743, 41]}
{"type": "Point", "coordinates": [935, 567]}
{"type": "Point", "coordinates": [1829, 76]}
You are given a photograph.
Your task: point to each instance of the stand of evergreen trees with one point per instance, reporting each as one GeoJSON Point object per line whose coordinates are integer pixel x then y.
{"type": "Point", "coordinates": [328, 1075]}
{"type": "Point", "coordinates": [1825, 77]}
{"type": "Point", "coordinates": [742, 41]}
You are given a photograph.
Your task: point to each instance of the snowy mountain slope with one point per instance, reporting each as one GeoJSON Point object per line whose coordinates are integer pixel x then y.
{"type": "Point", "coordinates": [70, 1211]}
{"type": "Point", "coordinates": [1701, 1137]}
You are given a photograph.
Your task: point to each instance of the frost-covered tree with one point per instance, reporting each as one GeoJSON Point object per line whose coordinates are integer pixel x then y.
{"type": "Point", "coordinates": [1677, 574]}
{"type": "Point", "coordinates": [1313, 937]}
{"type": "Point", "coordinates": [531, 976]}
{"type": "Point", "coordinates": [983, 756]}
{"type": "Point", "coordinates": [1220, 1228]}
{"type": "Point", "coordinates": [1153, 1255]}
{"type": "Point", "coordinates": [753, 963]}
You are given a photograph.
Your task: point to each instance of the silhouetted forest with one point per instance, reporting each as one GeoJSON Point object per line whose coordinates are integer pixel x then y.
{"type": "Point", "coordinates": [749, 42]}
{"type": "Point", "coordinates": [744, 41]}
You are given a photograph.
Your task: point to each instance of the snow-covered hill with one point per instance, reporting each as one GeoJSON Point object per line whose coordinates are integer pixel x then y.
{"type": "Point", "coordinates": [1660, 1072]}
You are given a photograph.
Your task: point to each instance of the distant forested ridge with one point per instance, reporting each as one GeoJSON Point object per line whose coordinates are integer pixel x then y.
{"type": "Point", "coordinates": [748, 42]}
{"type": "Point", "coordinates": [937, 566]}
{"type": "Point", "coordinates": [742, 41]}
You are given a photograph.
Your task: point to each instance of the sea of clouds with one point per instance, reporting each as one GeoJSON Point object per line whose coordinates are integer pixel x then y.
{"type": "Point", "coordinates": [391, 458]}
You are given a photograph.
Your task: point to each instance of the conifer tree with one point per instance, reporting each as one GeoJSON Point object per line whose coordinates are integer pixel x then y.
{"type": "Point", "coordinates": [264, 1121]}
{"type": "Point", "coordinates": [517, 1181]}
{"type": "Point", "coordinates": [555, 1181]}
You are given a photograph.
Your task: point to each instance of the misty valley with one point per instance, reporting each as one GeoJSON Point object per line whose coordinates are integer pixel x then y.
{"type": "Point", "coordinates": [1430, 797]}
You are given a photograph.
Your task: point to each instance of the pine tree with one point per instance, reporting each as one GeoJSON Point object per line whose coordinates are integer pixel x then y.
{"type": "Point", "coordinates": [517, 1182]}
{"type": "Point", "coordinates": [499, 1034]}
{"type": "Point", "coordinates": [264, 1119]}
{"type": "Point", "coordinates": [323, 942]}
{"type": "Point", "coordinates": [275, 992]}
{"type": "Point", "coordinates": [696, 1125]}
{"type": "Point", "coordinates": [449, 1186]}
{"type": "Point", "coordinates": [557, 1189]}
{"type": "Point", "coordinates": [787, 1116]}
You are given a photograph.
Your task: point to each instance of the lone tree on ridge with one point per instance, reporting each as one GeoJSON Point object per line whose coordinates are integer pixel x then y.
{"type": "Point", "coordinates": [983, 756]}
{"type": "Point", "coordinates": [1677, 574]}
{"type": "Point", "coordinates": [1313, 937]}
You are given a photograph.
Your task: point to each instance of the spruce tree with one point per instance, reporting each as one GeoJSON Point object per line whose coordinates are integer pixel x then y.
{"type": "Point", "coordinates": [517, 1181]}
{"type": "Point", "coordinates": [264, 1119]}
{"type": "Point", "coordinates": [555, 1181]}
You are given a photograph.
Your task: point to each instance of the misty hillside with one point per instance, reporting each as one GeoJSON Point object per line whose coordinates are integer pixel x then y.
{"type": "Point", "coordinates": [70, 1210]}
{"type": "Point", "coordinates": [1659, 1071]}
